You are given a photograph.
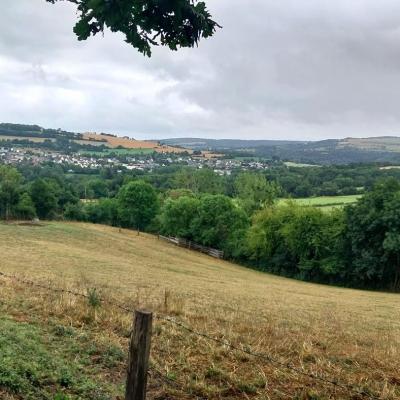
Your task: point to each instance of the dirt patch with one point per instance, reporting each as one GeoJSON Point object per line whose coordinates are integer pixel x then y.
{"type": "Point", "coordinates": [31, 223]}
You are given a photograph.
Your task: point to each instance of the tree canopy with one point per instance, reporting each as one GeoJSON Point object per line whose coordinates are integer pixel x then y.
{"type": "Point", "coordinates": [138, 204]}
{"type": "Point", "coordinates": [10, 180]}
{"type": "Point", "coordinates": [372, 238]}
{"type": "Point", "coordinates": [146, 23]}
{"type": "Point", "coordinates": [255, 191]}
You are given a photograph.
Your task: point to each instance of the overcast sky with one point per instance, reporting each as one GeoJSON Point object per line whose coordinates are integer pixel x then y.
{"type": "Point", "coordinates": [286, 69]}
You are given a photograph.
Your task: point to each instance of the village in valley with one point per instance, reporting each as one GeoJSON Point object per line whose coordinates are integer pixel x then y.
{"type": "Point", "coordinates": [123, 158]}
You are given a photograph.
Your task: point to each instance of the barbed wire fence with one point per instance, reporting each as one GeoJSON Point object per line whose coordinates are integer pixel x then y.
{"type": "Point", "coordinates": [243, 348]}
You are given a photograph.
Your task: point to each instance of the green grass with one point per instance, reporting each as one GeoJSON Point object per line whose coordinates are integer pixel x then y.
{"type": "Point", "coordinates": [119, 152]}
{"type": "Point", "coordinates": [51, 362]}
{"type": "Point", "coordinates": [326, 202]}
{"type": "Point", "coordinates": [299, 165]}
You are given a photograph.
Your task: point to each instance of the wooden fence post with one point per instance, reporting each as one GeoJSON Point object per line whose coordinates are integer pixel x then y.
{"type": "Point", "coordinates": [139, 352]}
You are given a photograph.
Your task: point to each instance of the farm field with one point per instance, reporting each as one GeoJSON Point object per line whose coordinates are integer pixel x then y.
{"type": "Point", "coordinates": [326, 202]}
{"type": "Point", "coordinates": [120, 152]}
{"type": "Point", "coordinates": [300, 165]}
{"type": "Point", "coordinates": [117, 141]}
{"type": "Point", "coordinates": [66, 347]}
{"type": "Point", "coordinates": [31, 139]}
{"type": "Point", "coordinates": [383, 143]}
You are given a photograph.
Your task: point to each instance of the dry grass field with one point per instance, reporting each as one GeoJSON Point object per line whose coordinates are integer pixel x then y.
{"type": "Point", "coordinates": [116, 141]}
{"type": "Point", "coordinates": [343, 335]}
{"type": "Point", "coordinates": [384, 143]}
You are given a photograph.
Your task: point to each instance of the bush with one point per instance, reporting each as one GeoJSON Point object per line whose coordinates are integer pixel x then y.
{"type": "Point", "coordinates": [75, 212]}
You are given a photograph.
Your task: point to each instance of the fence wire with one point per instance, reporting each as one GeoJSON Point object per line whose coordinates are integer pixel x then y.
{"type": "Point", "coordinates": [243, 349]}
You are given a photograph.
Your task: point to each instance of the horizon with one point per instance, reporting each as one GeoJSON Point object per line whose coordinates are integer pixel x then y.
{"type": "Point", "coordinates": [197, 137]}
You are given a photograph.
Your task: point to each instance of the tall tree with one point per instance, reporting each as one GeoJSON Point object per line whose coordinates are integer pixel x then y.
{"type": "Point", "coordinates": [10, 180]}
{"type": "Point", "coordinates": [146, 23]}
{"type": "Point", "coordinates": [178, 215]}
{"type": "Point", "coordinates": [372, 238]}
{"type": "Point", "coordinates": [43, 193]}
{"type": "Point", "coordinates": [137, 204]}
{"type": "Point", "coordinates": [203, 180]}
{"type": "Point", "coordinates": [217, 221]}
{"type": "Point", "coordinates": [255, 191]}
{"type": "Point", "coordinates": [25, 208]}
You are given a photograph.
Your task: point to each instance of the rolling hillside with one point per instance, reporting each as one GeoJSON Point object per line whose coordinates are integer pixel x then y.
{"type": "Point", "coordinates": [31, 134]}
{"type": "Point", "coordinates": [330, 151]}
{"type": "Point", "coordinates": [114, 141]}
{"type": "Point", "coordinates": [379, 143]}
{"type": "Point", "coordinates": [339, 334]}
{"type": "Point", "coordinates": [383, 143]}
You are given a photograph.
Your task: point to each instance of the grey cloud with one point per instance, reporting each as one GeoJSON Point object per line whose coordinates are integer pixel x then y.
{"type": "Point", "coordinates": [303, 70]}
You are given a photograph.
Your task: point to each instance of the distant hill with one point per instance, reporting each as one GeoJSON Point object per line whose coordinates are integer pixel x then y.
{"type": "Point", "coordinates": [35, 134]}
{"type": "Point", "coordinates": [384, 149]}
{"type": "Point", "coordinates": [225, 144]}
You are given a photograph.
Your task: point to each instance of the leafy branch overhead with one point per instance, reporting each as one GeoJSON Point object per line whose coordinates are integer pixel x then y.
{"type": "Point", "coordinates": [146, 23]}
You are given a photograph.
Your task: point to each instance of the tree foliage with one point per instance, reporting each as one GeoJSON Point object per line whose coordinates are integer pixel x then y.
{"type": "Point", "coordinates": [211, 220]}
{"type": "Point", "coordinates": [43, 193]}
{"type": "Point", "coordinates": [146, 23]}
{"type": "Point", "coordinates": [25, 208]}
{"type": "Point", "coordinates": [254, 191]}
{"type": "Point", "coordinates": [137, 204]}
{"type": "Point", "coordinates": [372, 238]}
{"type": "Point", "coordinates": [217, 220]}
{"type": "Point", "coordinates": [10, 180]}
{"type": "Point", "coordinates": [296, 241]}
{"type": "Point", "coordinates": [178, 215]}
{"type": "Point", "coordinates": [203, 180]}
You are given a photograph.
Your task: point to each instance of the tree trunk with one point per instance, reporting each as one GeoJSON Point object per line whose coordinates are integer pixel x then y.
{"type": "Point", "coordinates": [396, 282]}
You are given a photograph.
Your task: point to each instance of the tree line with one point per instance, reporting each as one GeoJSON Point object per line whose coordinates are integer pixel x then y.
{"type": "Point", "coordinates": [357, 246]}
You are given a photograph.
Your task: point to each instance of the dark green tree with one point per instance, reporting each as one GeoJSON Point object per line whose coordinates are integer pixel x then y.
{"type": "Point", "coordinates": [203, 180]}
{"type": "Point", "coordinates": [98, 188]}
{"type": "Point", "coordinates": [217, 221]}
{"type": "Point", "coordinates": [10, 181]}
{"type": "Point", "coordinates": [137, 204]}
{"type": "Point", "coordinates": [296, 241]}
{"type": "Point", "coordinates": [25, 208]}
{"type": "Point", "coordinates": [254, 191]}
{"type": "Point", "coordinates": [43, 193]}
{"type": "Point", "coordinates": [75, 212]}
{"type": "Point", "coordinates": [178, 215]}
{"type": "Point", "coordinates": [146, 23]}
{"type": "Point", "coordinates": [371, 256]}
{"type": "Point", "coordinates": [103, 211]}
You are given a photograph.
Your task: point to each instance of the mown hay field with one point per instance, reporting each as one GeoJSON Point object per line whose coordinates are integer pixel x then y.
{"type": "Point", "coordinates": [337, 334]}
{"type": "Point", "coordinates": [117, 141]}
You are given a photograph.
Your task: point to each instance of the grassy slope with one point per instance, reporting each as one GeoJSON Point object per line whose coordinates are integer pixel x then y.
{"type": "Point", "coordinates": [345, 334]}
